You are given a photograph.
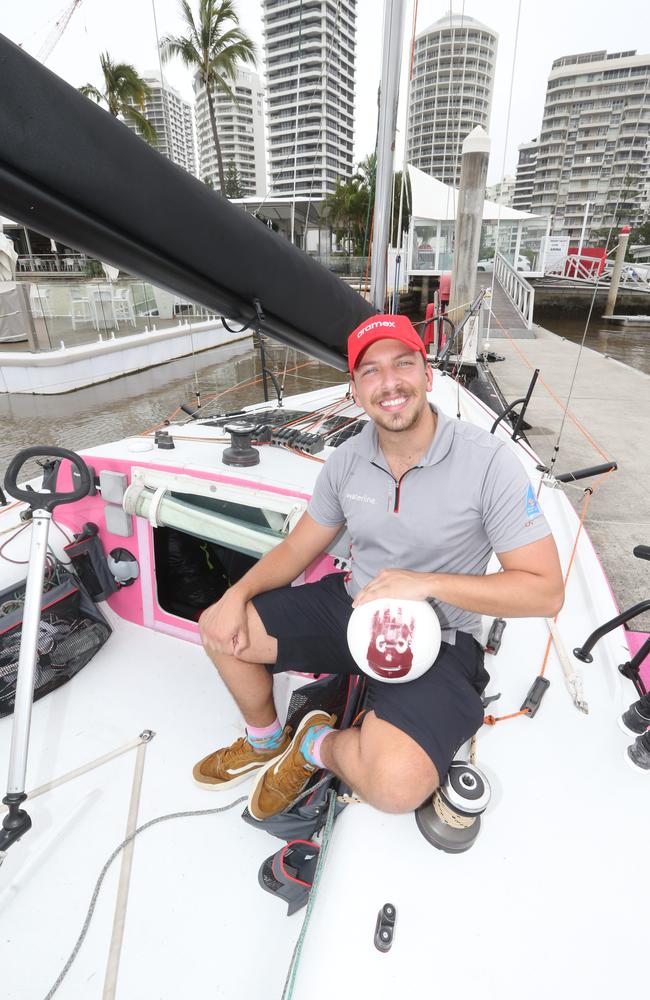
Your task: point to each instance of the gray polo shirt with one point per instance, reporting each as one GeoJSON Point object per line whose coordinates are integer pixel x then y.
{"type": "Point", "coordinates": [468, 496]}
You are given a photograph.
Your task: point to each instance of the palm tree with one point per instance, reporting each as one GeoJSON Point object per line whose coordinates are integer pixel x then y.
{"type": "Point", "coordinates": [125, 92]}
{"type": "Point", "coordinates": [212, 49]}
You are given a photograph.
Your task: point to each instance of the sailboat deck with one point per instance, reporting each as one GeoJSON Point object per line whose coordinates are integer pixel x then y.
{"type": "Point", "coordinates": [545, 902]}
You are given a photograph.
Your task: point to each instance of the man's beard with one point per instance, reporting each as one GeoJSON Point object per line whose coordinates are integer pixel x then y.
{"type": "Point", "coordinates": [403, 420]}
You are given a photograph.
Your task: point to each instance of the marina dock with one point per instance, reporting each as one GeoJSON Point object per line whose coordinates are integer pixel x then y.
{"type": "Point", "coordinates": [607, 420]}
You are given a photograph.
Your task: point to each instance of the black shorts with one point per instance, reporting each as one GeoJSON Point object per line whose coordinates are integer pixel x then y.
{"type": "Point", "coordinates": [440, 710]}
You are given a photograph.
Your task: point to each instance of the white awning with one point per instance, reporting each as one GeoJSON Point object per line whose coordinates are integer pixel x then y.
{"type": "Point", "coordinates": [431, 199]}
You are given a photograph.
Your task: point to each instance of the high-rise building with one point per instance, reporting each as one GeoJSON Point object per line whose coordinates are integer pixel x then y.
{"type": "Point", "coordinates": [309, 55]}
{"type": "Point", "coordinates": [240, 130]}
{"type": "Point", "coordinates": [173, 119]}
{"type": "Point", "coordinates": [593, 145]}
{"type": "Point", "coordinates": [502, 192]}
{"type": "Point", "coordinates": [525, 179]}
{"type": "Point", "coordinates": [450, 93]}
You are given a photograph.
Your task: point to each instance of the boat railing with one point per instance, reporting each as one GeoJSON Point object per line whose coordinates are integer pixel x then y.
{"type": "Point", "coordinates": [520, 292]}
{"type": "Point", "coordinates": [52, 314]}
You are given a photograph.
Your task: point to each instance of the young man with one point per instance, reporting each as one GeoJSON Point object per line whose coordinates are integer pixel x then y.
{"type": "Point", "coordinates": [426, 499]}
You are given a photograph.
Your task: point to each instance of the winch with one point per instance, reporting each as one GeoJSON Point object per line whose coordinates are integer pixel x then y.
{"type": "Point", "coordinates": [451, 819]}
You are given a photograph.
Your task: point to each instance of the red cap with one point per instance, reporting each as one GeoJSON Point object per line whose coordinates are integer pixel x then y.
{"type": "Point", "coordinates": [382, 328]}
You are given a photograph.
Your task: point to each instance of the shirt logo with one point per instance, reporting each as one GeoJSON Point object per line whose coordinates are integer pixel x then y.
{"type": "Point", "coordinates": [533, 509]}
{"type": "Point", "coordinates": [359, 498]}
{"type": "Point", "coordinates": [371, 326]}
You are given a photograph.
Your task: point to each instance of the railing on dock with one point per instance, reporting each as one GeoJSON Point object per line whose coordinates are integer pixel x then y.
{"type": "Point", "coordinates": [518, 290]}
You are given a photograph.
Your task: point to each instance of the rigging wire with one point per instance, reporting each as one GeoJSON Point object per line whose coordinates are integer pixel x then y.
{"type": "Point", "coordinates": [505, 147]}
{"type": "Point", "coordinates": [556, 447]}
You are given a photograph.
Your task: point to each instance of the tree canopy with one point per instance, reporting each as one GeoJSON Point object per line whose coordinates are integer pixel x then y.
{"type": "Point", "coordinates": [212, 45]}
{"type": "Point", "coordinates": [124, 94]}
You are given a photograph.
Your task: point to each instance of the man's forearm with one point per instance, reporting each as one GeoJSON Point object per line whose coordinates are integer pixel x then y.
{"type": "Point", "coordinates": [511, 593]}
{"type": "Point", "coordinates": [277, 568]}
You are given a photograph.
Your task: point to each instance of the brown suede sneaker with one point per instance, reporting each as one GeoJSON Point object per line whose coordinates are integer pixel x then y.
{"type": "Point", "coordinates": [234, 764]}
{"type": "Point", "coordinates": [282, 781]}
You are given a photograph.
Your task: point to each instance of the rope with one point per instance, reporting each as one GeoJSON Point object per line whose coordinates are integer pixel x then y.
{"type": "Point", "coordinates": [109, 862]}
{"type": "Point", "coordinates": [448, 815]}
{"type": "Point", "coordinates": [287, 992]}
{"type": "Point", "coordinates": [573, 680]}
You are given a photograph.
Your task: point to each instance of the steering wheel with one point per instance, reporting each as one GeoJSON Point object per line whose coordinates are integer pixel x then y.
{"type": "Point", "coordinates": [46, 501]}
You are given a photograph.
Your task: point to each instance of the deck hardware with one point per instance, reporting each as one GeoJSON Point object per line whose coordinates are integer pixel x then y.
{"type": "Point", "coordinates": [164, 440]}
{"type": "Point", "coordinates": [524, 401]}
{"type": "Point", "coordinates": [240, 452]}
{"type": "Point", "coordinates": [451, 818]}
{"type": "Point", "coordinates": [495, 635]}
{"type": "Point", "coordinates": [534, 697]}
{"type": "Point", "coordinates": [592, 470]}
{"type": "Point", "coordinates": [385, 927]}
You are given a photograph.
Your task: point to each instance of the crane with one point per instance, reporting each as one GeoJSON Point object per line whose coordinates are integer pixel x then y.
{"type": "Point", "coordinates": [60, 25]}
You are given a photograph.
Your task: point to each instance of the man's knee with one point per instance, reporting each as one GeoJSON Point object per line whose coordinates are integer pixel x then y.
{"type": "Point", "coordinates": [396, 787]}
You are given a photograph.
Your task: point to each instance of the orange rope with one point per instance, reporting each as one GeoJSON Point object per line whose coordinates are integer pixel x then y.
{"type": "Point", "coordinates": [491, 720]}
{"type": "Point", "coordinates": [224, 392]}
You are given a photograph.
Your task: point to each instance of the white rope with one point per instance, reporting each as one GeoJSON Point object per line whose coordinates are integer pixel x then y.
{"type": "Point", "coordinates": [572, 677]}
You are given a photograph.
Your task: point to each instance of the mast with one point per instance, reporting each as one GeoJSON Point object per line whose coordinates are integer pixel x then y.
{"type": "Point", "coordinates": [388, 98]}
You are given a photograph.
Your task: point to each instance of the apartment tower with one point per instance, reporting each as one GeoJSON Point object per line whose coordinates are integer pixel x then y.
{"type": "Point", "coordinates": [240, 130]}
{"type": "Point", "coordinates": [593, 145]}
{"type": "Point", "coordinates": [450, 93]}
{"type": "Point", "coordinates": [309, 51]}
{"type": "Point", "coordinates": [525, 177]}
{"type": "Point", "coordinates": [173, 119]}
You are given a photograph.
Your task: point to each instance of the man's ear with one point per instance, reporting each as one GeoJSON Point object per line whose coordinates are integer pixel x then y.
{"type": "Point", "coordinates": [353, 390]}
{"type": "Point", "coordinates": [429, 376]}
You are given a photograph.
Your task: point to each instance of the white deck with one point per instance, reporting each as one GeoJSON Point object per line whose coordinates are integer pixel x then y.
{"type": "Point", "coordinates": [546, 903]}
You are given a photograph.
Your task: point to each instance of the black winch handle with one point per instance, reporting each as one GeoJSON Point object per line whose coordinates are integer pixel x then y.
{"type": "Point", "coordinates": [46, 501]}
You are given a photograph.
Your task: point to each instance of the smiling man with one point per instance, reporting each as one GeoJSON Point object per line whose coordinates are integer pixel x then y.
{"type": "Point", "coordinates": [426, 499]}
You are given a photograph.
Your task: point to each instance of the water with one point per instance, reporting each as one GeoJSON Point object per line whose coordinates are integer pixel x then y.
{"type": "Point", "coordinates": [629, 344]}
{"type": "Point", "coordinates": [127, 406]}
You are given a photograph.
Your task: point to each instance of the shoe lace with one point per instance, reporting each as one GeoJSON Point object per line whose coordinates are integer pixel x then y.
{"type": "Point", "coordinates": [235, 749]}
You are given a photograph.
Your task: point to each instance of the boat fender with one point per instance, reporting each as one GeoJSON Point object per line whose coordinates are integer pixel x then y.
{"type": "Point", "coordinates": [451, 819]}
{"type": "Point", "coordinates": [124, 566]}
{"type": "Point", "coordinates": [385, 927]}
{"type": "Point", "coordinates": [394, 640]}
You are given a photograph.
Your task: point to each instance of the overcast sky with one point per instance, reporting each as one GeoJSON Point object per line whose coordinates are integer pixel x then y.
{"type": "Point", "coordinates": [547, 30]}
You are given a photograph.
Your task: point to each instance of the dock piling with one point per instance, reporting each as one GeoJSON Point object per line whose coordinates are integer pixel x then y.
{"type": "Point", "coordinates": [624, 236]}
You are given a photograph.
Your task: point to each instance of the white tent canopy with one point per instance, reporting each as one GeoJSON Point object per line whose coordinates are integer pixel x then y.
{"type": "Point", "coordinates": [431, 199]}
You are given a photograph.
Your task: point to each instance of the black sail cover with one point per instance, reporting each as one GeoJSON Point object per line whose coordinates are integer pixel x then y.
{"type": "Point", "coordinates": [70, 170]}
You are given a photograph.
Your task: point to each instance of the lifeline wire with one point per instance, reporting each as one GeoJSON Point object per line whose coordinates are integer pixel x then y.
{"type": "Point", "coordinates": [593, 298]}
{"type": "Point", "coordinates": [109, 862]}
{"type": "Point", "coordinates": [287, 992]}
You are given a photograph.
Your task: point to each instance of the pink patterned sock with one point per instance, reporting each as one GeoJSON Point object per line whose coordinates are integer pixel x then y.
{"type": "Point", "coordinates": [265, 737]}
{"type": "Point", "coordinates": [311, 743]}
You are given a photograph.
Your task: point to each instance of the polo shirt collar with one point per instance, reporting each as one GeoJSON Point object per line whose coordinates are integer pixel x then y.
{"type": "Point", "coordinates": [367, 441]}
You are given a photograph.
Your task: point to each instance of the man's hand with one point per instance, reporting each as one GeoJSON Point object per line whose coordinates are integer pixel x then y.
{"type": "Point", "coordinates": [224, 625]}
{"type": "Point", "coordinates": [402, 583]}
